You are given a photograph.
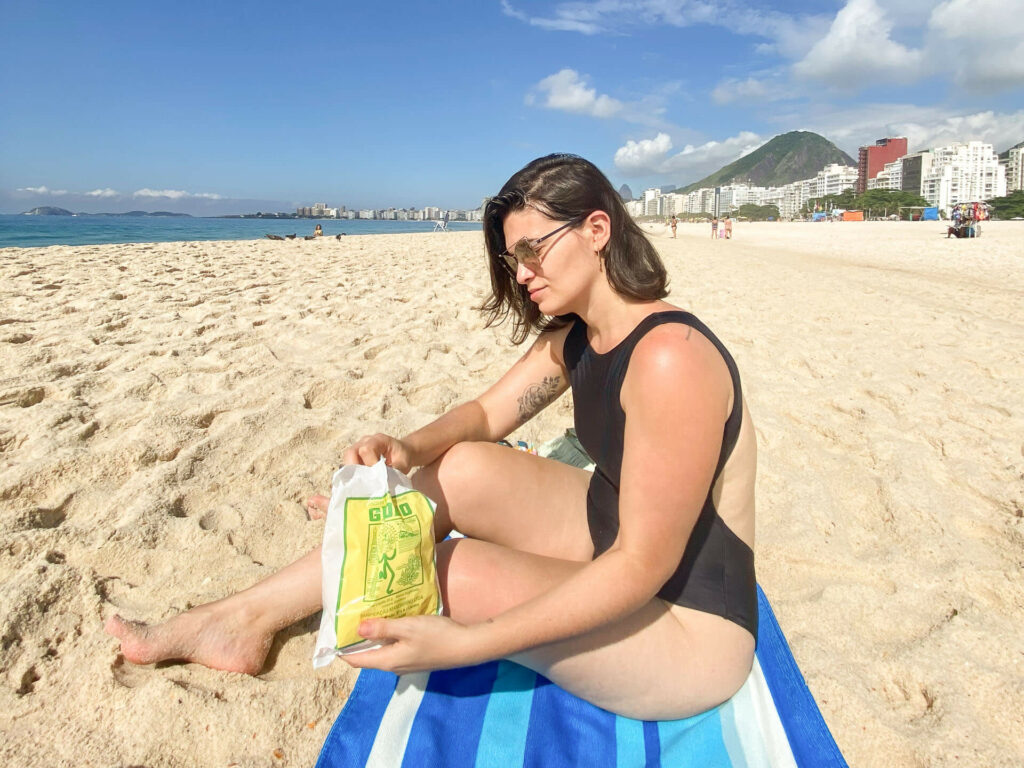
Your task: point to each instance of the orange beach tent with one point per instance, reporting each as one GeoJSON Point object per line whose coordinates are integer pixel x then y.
{"type": "Point", "coordinates": [853, 215]}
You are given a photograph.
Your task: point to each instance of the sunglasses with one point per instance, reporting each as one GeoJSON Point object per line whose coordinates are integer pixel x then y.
{"type": "Point", "coordinates": [524, 250]}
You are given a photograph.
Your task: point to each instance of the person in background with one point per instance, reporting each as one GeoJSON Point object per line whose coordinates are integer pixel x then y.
{"type": "Point", "coordinates": [714, 227]}
{"type": "Point", "coordinates": [728, 228]}
{"type": "Point", "coordinates": [318, 231]}
{"type": "Point", "coordinates": [674, 223]}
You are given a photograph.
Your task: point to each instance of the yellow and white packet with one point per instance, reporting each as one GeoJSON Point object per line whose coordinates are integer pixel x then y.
{"type": "Point", "coordinates": [378, 556]}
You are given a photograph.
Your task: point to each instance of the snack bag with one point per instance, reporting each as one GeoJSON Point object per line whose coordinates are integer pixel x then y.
{"type": "Point", "coordinates": [378, 556]}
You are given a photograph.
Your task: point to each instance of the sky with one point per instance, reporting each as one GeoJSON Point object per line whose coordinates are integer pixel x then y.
{"type": "Point", "coordinates": [221, 107]}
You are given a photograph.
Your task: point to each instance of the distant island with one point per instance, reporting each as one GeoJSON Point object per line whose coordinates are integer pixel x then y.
{"type": "Point", "coordinates": [49, 210]}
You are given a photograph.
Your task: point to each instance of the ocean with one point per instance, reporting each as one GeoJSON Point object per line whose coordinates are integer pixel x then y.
{"type": "Point", "coordinates": [32, 231]}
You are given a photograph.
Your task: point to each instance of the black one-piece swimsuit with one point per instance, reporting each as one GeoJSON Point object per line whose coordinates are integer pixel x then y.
{"type": "Point", "coordinates": [716, 572]}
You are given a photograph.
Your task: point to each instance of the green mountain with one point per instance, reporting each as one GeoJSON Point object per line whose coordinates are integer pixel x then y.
{"type": "Point", "coordinates": [1006, 155]}
{"type": "Point", "coordinates": [788, 157]}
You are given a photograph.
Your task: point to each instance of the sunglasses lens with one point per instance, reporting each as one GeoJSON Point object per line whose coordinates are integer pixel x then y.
{"type": "Point", "coordinates": [526, 255]}
{"type": "Point", "coordinates": [510, 262]}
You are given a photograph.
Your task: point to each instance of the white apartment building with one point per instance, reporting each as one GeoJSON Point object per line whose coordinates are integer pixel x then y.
{"type": "Point", "coordinates": [796, 193]}
{"type": "Point", "coordinates": [963, 173]}
{"type": "Point", "coordinates": [774, 196]}
{"type": "Point", "coordinates": [673, 203]}
{"type": "Point", "coordinates": [635, 208]}
{"type": "Point", "coordinates": [833, 179]}
{"type": "Point", "coordinates": [1015, 170]}
{"type": "Point", "coordinates": [650, 201]}
{"type": "Point", "coordinates": [735, 195]}
{"type": "Point", "coordinates": [890, 177]}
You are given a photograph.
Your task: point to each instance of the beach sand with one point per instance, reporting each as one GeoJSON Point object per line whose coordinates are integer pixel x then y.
{"type": "Point", "coordinates": [165, 409]}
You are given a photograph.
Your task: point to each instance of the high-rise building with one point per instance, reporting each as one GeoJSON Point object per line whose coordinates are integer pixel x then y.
{"type": "Point", "coordinates": [963, 173]}
{"type": "Point", "coordinates": [1015, 169]}
{"type": "Point", "coordinates": [914, 168]}
{"type": "Point", "coordinates": [834, 179]}
{"type": "Point", "coordinates": [890, 177]}
{"type": "Point", "coordinates": [872, 159]}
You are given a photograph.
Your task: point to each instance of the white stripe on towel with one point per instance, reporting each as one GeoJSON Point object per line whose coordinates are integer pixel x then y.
{"type": "Point", "coordinates": [396, 724]}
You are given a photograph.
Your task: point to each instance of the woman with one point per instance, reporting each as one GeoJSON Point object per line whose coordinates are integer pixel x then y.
{"type": "Point", "coordinates": [632, 587]}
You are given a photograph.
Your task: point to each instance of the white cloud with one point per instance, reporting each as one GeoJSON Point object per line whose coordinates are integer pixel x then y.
{"type": "Point", "coordinates": [974, 43]}
{"type": "Point", "coordinates": [43, 191]}
{"type": "Point", "coordinates": [653, 156]}
{"type": "Point", "coordinates": [859, 47]}
{"type": "Point", "coordinates": [175, 194]}
{"type": "Point", "coordinates": [751, 89]}
{"type": "Point", "coordinates": [567, 91]}
{"type": "Point", "coordinates": [987, 56]}
{"type": "Point", "coordinates": [566, 20]}
{"type": "Point", "coordinates": [924, 127]}
{"type": "Point", "coordinates": [790, 35]}
{"type": "Point", "coordinates": [644, 155]}
{"type": "Point", "coordinates": [103, 193]}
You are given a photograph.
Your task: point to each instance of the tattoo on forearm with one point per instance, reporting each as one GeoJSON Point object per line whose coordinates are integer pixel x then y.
{"type": "Point", "coordinates": [537, 397]}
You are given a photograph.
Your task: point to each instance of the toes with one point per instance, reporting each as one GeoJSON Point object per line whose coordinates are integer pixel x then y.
{"type": "Point", "coordinates": [116, 626]}
{"type": "Point", "coordinates": [316, 507]}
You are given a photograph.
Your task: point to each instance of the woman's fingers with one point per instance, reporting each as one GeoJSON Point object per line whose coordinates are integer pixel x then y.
{"type": "Point", "coordinates": [377, 629]}
{"type": "Point", "coordinates": [368, 455]}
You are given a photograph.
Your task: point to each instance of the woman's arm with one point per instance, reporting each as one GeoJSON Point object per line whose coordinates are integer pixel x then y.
{"type": "Point", "coordinates": [534, 382]}
{"type": "Point", "coordinates": [676, 397]}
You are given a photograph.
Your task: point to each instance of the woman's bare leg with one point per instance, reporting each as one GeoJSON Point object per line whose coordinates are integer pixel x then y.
{"type": "Point", "coordinates": [661, 662]}
{"type": "Point", "coordinates": [233, 634]}
{"type": "Point", "coordinates": [512, 498]}
{"type": "Point", "coordinates": [485, 490]}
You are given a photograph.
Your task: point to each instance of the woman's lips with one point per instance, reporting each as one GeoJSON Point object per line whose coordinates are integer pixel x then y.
{"type": "Point", "coordinates": [534, 292]}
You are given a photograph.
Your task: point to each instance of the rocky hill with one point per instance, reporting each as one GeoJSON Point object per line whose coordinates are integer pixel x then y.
{"type": "Point", "coordinates": [47, 210]}
{"type": "Point", "coordinates": [788, 157]}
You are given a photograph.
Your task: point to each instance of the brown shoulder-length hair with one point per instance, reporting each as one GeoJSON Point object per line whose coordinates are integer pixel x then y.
{"type": "Point", "coordinates": [565, 187]}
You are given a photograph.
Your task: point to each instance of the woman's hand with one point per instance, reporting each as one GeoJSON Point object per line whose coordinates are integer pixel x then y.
{"type": "Point", "coordinates": [416, 644]}
{"type": "Point", "coordinates": [369, 449]}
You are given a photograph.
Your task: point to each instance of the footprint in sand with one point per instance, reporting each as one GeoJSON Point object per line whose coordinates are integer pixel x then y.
{"type": "Point", "coordinates": [24, 398]}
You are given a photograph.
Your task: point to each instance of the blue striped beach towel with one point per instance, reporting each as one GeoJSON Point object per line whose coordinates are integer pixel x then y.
{"type": "Point", "coordinates": [501, 714]}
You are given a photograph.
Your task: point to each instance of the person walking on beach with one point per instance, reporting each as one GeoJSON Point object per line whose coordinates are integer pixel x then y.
{"type": "Point", "coordinates": [632, 586]}
{"type": "Point", "coordinates": [728, 228]}
{"type": "Point", "coordinates": [714, 227]}
{"type": "Point", "coordinates": [674, 223]}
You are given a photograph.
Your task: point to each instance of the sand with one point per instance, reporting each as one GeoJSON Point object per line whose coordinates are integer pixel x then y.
{"type": "Point", "coordinates": [166, 408]}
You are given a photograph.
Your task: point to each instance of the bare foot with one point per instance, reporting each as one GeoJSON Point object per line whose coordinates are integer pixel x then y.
{"type": "Point", "coordinates": [203, 635]}
{"type": "Point", "coordinates": [316, 507]}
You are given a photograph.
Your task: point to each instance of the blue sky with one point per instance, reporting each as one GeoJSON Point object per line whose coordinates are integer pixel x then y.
{"type": "Point", "coordinates": [223, 107]}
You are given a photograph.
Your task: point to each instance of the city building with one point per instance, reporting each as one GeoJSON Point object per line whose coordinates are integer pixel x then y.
{"type": "Point", "coordinates": [834, 179]}
{"type": "Point", "coordinates": [872, 159]}
{"type": "Point", "coordinates": [650, 199]}
{"type": "Point", "coordinates": [913, 169]}
{"type": "Point", "coordinates": [1015, 170]}
{"type": "Point", "coordinates": [890, 177]}
{"type": "Point", "coordinates": [963, 173]}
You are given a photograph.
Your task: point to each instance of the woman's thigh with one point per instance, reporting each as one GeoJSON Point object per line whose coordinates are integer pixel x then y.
{"type": "Point", "coordinates": [508, 497]}
{"type": "Point", "coordinates": [653, 664]}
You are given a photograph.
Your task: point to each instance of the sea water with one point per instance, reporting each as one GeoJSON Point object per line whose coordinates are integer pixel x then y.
{"type": "Point", "coordinates": [30, 231]}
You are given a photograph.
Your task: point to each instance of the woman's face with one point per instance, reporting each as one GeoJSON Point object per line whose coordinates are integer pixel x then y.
{"type": "Point", "coordinates": [569, 263]}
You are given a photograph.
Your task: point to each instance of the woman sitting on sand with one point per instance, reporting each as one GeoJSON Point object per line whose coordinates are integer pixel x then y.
{"type": "Point", "coordinates": [632, 587]}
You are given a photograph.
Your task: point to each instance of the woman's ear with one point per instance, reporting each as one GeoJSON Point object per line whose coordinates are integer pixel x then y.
{"type": "Point", "coordinates": [598, 227]}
